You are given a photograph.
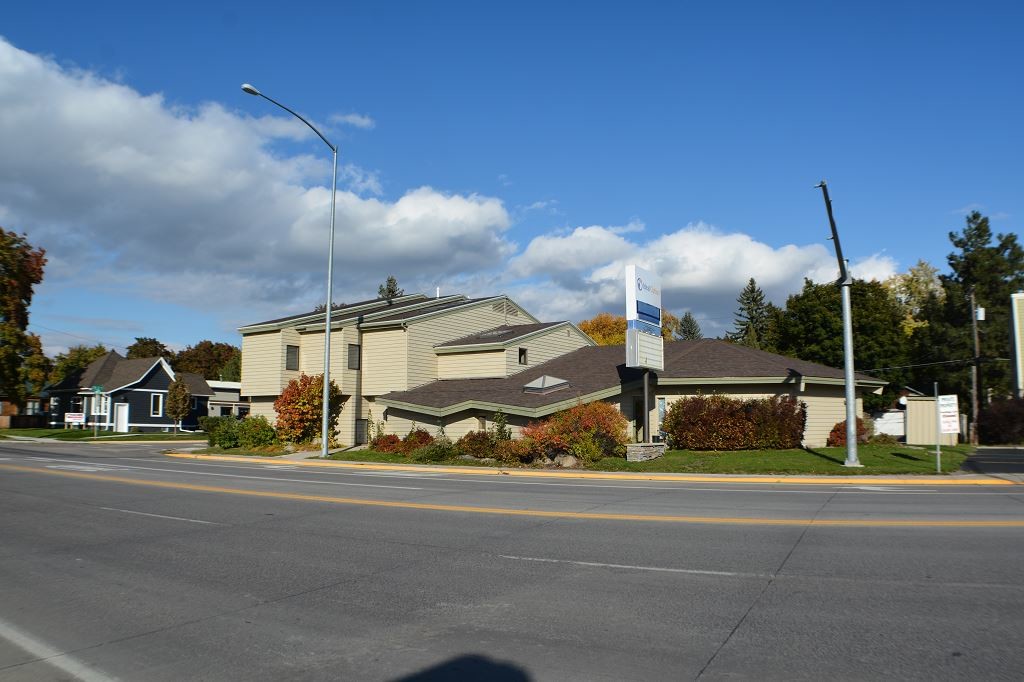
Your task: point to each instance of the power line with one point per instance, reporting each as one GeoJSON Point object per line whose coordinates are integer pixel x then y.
{"type": "Point", "coordinates": [966, 361]}
{"type": "Point", "coordinates": [78, 336]}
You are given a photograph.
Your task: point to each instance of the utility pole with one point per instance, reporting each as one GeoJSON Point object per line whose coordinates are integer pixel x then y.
{"type": "Point", "coordinates": [974, 370]}
{"type": "Point", "coordinates": [845, 283]}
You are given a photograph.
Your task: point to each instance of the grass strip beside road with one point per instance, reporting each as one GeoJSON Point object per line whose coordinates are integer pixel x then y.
{"type": "Point", "coordinates": [877, 459]}
{"type": "Point", "coordinates": [105, 436]}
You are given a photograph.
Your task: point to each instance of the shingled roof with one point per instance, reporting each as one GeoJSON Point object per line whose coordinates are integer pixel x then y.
{"type": "Point", "coordinates": [597, 372]}
{"type": "Point", "coordinates": [502, 334]}
{"type": "Point", "coordinates": [112, 371]}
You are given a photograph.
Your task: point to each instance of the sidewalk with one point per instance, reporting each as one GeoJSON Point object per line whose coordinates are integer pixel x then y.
{"type": "Point", "coordinates": [301, 459]}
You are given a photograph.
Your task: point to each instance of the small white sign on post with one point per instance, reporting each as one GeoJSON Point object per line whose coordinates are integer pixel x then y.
{"type": "Point", "coordinates": [74, 417]}
{"type": "Point", "coordinates": [949, 414]}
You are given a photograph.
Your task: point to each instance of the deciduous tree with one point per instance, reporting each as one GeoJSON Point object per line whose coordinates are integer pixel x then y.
{"type": "Point", "coordinates": [147, 347]}
{"type": "Point", "coordinates": [179, 401]}
{"type": "Point", "coordinates": [76, 358]}
{"type": "Point", "coordinates": [206, 358]}
{"type": "Point", "coordinates": [21, 268]}
{"type": "Point", "coordinates": [610, 330]}
{"type": "Point", "coordinates": [299, 409]}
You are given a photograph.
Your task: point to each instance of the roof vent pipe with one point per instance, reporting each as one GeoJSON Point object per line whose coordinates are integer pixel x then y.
{"type": "Point", "coordinates": [439, 292]}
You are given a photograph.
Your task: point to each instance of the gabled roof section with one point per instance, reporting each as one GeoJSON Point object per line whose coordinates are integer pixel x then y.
{"type": "Point", "coordinates": [197, 385]}
{"type": "Point", "coordinates": [503, 337]}
{"type": "Point", "coordinates": [350, 311]}
{"type": "Point", "coordinates": [396, 318]}
{"type": "Point", "coordinates": [596, 372]}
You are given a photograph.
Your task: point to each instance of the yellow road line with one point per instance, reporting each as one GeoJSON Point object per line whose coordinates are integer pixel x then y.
{"type": "Point", "coordinates": [501, 511]}
{"type": "Point", "coordinates": [609, 476]}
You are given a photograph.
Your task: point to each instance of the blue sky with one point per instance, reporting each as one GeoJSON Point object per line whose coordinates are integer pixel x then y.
{"type": "Point", "coordinates": [531, 149]}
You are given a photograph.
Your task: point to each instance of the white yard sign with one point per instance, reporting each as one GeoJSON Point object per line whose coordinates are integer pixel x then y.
{"type": "Point", "coordinates": [949, 414]}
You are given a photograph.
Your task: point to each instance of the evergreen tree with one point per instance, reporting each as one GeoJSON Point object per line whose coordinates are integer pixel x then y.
{"type": "Point", "coordinates": [390, 289]}
{"type": "Point", "coordinates": [994, 269]}
{"type": "Point", "coordinates": [689, 328]}
{"type": "Point", "coordinates": [21, 268]}
{"type": "Point", "coordinates": [753, 317]}
{"type": "Point", "coordinates": [179, 401]}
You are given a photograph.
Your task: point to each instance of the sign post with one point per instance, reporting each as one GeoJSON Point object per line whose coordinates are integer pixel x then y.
{"type": "Point", "coordinates": [97, 403]}
{"type": "Point", "coordinates": [947, 420]}
{"type": "Point", "coordinates": [644, 344]}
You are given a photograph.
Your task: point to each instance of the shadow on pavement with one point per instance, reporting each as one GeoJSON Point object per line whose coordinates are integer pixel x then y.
{"type": "Point", "coordinates": [469, 667]}
{"type": "Point", "coordinates": [995, 461]}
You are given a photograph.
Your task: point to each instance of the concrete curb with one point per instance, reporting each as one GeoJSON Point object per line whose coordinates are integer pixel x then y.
{"type": "Point", "coordinates": [855, 480]}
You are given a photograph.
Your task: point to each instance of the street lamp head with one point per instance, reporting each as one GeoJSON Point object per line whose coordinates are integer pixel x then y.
{"type": "Point", "coordinates": [249, 89]}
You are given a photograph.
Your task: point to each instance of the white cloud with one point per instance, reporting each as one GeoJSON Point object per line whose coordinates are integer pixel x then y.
{"type": "Point", "coordinates": [355, 120]}
{"type": "Point", "coordinates": [577, 274]}
{"type": "Point", "coordinates": [197, 206]}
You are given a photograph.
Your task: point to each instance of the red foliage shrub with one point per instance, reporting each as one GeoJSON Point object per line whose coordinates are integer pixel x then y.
{"type": "Point", "coordinates": [476, 444]}
{"type": "Point", "coordinates": [587, 431]}
{"type": "Point", "coordinates": [516, 452]}
{"type": "Point", "coordinates": [837, 436]}
{"type": "Point", "coordinates": [299, 409]}
{"type": "Point", "coordinates": [718, 422]}
{"type": "Point", "coordinates": [386, 442]}
{"type": "Point", "coordinates": [417, 438]}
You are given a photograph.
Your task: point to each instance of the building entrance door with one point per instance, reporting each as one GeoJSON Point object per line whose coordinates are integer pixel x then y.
{"type": "Point", "coordinates": [121, 417]}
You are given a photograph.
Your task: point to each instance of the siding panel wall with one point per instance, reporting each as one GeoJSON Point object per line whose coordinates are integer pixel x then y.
{"type": "Point", "coordinates": [385, 361]}
{"type": "Point", "coordinates": [471, 365]}
{"type": "Point", "coordinates": [262, 362]}
{"type": "Point", "coordinates": [544, 347]}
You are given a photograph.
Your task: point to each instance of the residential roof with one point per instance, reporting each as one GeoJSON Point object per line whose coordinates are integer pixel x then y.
{"type": "Point", "coordinates": [443, 304]}
{"type": "Point", "coordinates": [502, 334]}
{"type": "Point", "coordinates": [600, 371]}
{"type": "Point", "coordinates": [112, 371]}
{"type": "Point", "coordinates": [370, 305]}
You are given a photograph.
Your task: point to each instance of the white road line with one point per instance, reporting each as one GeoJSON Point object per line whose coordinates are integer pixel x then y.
{"type": "Point", "coordinates": [160, 516]}
{"type": "Point", "coordinates": [51, 656]}
{"type": "Point", "coordinates": [658, 569]}
{"type": "Point", "coordinates": [125, 467]}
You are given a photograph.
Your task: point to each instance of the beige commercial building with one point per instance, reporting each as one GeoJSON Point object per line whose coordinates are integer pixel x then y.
{"type": "Point", "coordinates": [453, 362]}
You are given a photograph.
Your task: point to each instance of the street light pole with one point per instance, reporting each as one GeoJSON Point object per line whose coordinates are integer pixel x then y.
{"type": "Point", "coordinates": [845, 283]}
{"type": "Point", "coordinates": [325, 426]}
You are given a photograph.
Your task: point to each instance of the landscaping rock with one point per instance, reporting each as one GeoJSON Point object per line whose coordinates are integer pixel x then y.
{"type": "Point", "coordinates": [566, 461]}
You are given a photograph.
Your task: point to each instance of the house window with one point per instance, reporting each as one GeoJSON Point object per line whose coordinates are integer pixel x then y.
{"type": "Point", "coordinates": [75, 404]}
{"type": "Point", "coordinates": [195, 403]}
{"type": "Point", "coordinates": [291, 357]}
{"type": "Point", "coordinates": [661, 415]}
{"type": "Point", "coordinates": [32, 407]}
{"type": "Point", "coordinates": [353, 356]}
{"type": "Point", "coordinates": [522, 356]}
{"type": "Point", "coordinates": [156, 405]}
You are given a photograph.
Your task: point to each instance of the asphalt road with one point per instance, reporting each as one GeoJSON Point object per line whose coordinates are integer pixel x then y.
{"type": "Point", "coordinates": [119, 563]}
{"type": "Point", "coordinates": [996, 460]}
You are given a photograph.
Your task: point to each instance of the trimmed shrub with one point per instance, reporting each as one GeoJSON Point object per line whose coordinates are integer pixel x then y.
{"type": "Point", "coordinates": [440, 450]}
{"type": "Point", "coordinates": [1002, 422]}
{"type": "Point", "coordinates": [415, 439]}
{"type": "Point", "coordinates": [386, 442]}
{"type": "Point", "coordinates": [588, 431]}
{"type": "Point", "coordinates": [837, 436]}
{"type": "Point", "coordinates": [478, 444]}
{"type": "Point", "coordinates": [299, 409]}
{"type": "Point", "coordinates": [220, 431]}
{"type": "Point", "coordinates": [719, 422]}
{"type": "Point", "coordinates": [255, 432]}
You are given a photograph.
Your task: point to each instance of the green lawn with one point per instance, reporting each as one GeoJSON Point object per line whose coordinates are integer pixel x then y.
{"type": "Point", "coordinates": [877, 459]}
{"type": "Point", "coordinates": [86, 434]}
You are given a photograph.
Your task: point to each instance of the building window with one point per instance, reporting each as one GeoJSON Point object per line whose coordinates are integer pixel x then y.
{"type": "Point", "coordinates": [100, 404]}
{"type": "Point", "coordinates": [291, 358]}
{"type": "Point", "coordinates": [522, 356]}
{"type": "Point", "coordinates": [156, 405]}
{"type": "Point", "coordinates": [195, 403]}
{"type": "Point", "coordinates": [32, 407]}
{"type": "Point", "coordinates": [243, 412]}
{"type": "Point", "coordinates": [353, 355]}
{"type": "Point", "coordinates": [75, 405]}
